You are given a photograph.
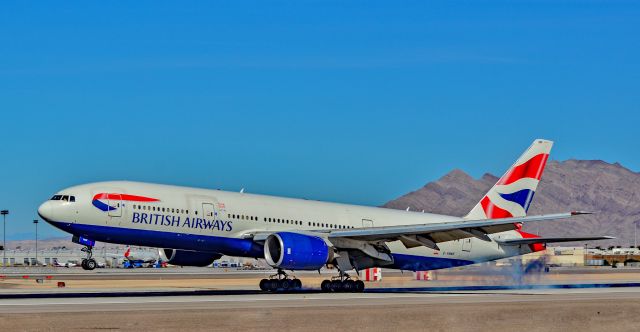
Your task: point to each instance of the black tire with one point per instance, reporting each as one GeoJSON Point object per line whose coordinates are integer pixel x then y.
{"type": "Point", "coordinates": [91, 264]}
{"type": "Point", "coordinates": [325, 286]}
{"type": "Point", "coordinates": [349, 286]}
{"type": "Point", "coordinates": [273, 285]}
{"type": "Point", "coordinates": [264, 285]}
{"type": "Point", "coordinates": [286, 284]}
{"type": "Point", "coordinates": [83, 264]}
{"type": "Point", "coordinates": [359, 286]}
{"type": "Point", "coordinates": [336, 286]}
{"type": "Point", "coordinates": [297, 284]}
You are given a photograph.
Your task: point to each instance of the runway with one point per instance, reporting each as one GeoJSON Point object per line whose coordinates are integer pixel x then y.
{"type": "Point", "coordinates": [535, 310]}
{"type": "Point", "coordinates": [202, 299]}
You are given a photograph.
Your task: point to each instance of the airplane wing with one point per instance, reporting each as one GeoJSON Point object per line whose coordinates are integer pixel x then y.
{"type": "Point", "coordinates": [430, 234]}
{"type": "Point", "coordinates": [515, 242]}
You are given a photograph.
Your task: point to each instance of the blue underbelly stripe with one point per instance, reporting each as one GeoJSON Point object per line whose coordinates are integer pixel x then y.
{"type": "Point", "coordinates": [159, 239]}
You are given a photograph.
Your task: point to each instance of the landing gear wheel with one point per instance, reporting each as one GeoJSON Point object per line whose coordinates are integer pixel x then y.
{"type": "Point", "coordinates": [274, 284]}
{"type": "Point", "coordinates": [286, 284]}
{"type": "Point", "coordinates": [349, 286]}
{"type": "Point", "coordinates": [297, 284]}
{"type": "Point", "coordinates": [359, 286]}
{"type": "Point", "coordinates": [336, 286]}
{"type": "Point", "coordinates": [90, 264]}
{"type": "Point", "coordinates": [325, 286]}
{"type": "Point", "coordinates": [264, 284]}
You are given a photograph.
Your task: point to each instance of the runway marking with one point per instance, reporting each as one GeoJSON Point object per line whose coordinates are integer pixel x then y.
{"type": "Point", "coordinates": [336, 299]}
{"type": "Point", "coordinates": [240, 298]}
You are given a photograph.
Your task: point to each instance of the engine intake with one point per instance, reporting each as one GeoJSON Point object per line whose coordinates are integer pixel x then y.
{"type": "Point", "coordinates": [294, 251]}
{"type": "Point", "coordinates": [188, 258]}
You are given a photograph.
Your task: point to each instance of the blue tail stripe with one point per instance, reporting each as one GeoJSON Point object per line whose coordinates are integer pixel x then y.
{"type": "Point", "coordinates": [522, 197]}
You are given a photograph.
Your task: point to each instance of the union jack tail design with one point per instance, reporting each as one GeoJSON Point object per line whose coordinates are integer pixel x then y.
{"type": "Point", "coordinates": [511, 196]}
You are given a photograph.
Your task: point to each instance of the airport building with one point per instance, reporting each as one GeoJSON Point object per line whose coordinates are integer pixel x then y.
{"type": "Point", "coordinates": [105, 257]}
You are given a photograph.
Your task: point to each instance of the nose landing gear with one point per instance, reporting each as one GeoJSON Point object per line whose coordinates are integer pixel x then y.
{"type": "Point", "coordinates": [280, 282]}
{"type": "Point", "coordinates": [88, 263]}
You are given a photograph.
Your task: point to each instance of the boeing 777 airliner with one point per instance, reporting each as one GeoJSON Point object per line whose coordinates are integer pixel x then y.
{"type": "Point", "coordinates": [198, 226]}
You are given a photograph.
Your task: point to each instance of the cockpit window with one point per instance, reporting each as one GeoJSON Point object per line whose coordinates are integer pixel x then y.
{"type": "Point", "coordinates": [66, 198]}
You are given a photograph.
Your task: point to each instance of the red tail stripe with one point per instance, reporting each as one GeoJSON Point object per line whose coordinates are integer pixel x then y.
{"type": "Point", "coordinates": [124, 197]}
{"type": "Point", "coordinates": [492, 211]}
{"type": "Point", "coordinates": [534, 246]}
{"type": "Point", "coordinates": [533, 168]}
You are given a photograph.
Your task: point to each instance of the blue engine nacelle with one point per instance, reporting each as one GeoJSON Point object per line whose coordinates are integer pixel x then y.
{"type": "Point", "coordinates": [294, 251]}
{"type": "Point", "coordinates": [188, 258]}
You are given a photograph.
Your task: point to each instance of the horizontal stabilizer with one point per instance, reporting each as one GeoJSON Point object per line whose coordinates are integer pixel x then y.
{"type": "Point", "coordinates": [515, 242]}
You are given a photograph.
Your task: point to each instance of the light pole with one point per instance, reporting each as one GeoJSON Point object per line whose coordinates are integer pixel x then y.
{"type": "Point", "coordinates": [4, 237]}
{"type": "Point", "coordinates": [635, 234]}
{"type": "Point", "coordinates": [35, 221]}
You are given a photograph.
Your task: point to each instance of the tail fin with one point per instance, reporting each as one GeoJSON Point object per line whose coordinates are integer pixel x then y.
{"type": "Point", "coordinates": [513, 193]}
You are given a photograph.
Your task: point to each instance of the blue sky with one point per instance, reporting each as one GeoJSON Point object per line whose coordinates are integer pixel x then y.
{"type": "Point", "coordinates": [356, 102]}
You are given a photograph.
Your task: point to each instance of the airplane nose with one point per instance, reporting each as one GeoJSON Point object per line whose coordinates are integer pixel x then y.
{"type": "Point", "coordinates": [44, 211]}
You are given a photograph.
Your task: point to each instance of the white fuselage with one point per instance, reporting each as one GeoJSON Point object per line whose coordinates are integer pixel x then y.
{"type": "Point", "coordinates": [219, 222]}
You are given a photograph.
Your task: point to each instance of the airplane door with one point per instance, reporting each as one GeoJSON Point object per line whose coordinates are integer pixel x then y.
{"type": "Point", "coordinates": [115, 201]}
{"type": "Point", "coordinates": [208, 211]}
{"type": "Point", "coordinates": [466, 245]}
{"type": "Point", "coordinates": [367, 223]}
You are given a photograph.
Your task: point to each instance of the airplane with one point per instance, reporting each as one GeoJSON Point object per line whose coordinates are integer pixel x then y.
{"type": "Point", "coordinates": [135, 258]}
{"type": "Point", "coordinates": [56, 263]}
{"type": "Point", "coordinates": [197, 226]}
{"type": "Point", "coordinates": [140, 258]}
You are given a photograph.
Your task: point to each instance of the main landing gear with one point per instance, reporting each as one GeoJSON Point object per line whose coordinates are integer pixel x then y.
{"type": "Point", "coordinates": [342, 283]}
{"type": "Point", "coordinates": [88, 263]}
{"type": "Point", "coordinates": [280, 282]}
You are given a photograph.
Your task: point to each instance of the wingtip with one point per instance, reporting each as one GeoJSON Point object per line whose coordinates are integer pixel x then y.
{"type": "Point", "coordinates": [578, 213]}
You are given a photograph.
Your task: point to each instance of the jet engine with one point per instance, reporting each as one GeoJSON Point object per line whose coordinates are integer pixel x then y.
{"type": "Point", "coordinates": [294, 251]}
{"type": "Point", "coordinates": [188, 258]}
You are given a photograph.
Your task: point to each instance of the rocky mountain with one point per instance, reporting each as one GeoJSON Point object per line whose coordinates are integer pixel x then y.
{"type": "Point", "coordinates": [610, 190]}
